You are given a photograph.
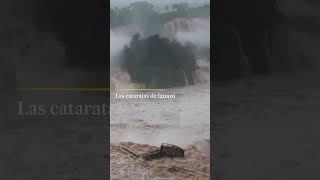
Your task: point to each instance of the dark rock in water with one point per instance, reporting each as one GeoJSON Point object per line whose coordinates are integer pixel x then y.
{"type": "Point", "coordinates": [171, 150]}
{"type": "Point", "coordinates": [168, 150]}
{"type": "Point", "coordinates": [158, 62]}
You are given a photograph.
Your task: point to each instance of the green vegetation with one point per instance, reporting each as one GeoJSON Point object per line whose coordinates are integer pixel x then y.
{"type": "Point", "coordinates": [144, 15]}
{"type": "Point", "coordinates": [158, 62]}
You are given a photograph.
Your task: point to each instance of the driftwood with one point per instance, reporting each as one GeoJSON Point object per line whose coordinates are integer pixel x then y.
{"type": "Point", "coordinates": [157, 154]}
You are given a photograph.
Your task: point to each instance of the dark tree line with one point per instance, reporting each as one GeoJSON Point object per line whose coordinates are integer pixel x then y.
{"type": "Point", "coordinates": [158, 62]}
{"type": "Point", "coordinates": [144, 15]}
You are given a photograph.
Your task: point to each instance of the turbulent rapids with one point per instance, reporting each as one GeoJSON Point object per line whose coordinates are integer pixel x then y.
{"type": "Point", "coordinates": [181, 35]}
{"type": "Point", "coordinates": [167, 53]}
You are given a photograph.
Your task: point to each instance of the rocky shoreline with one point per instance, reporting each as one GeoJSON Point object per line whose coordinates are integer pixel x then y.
{"type": "Point", "coordinates": [195, 164]}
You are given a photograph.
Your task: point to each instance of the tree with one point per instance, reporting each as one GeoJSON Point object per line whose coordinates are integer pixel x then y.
{"type": "Point", "coordinates": [141, 6]}
{"type": "Point", "coordinates": [159, 62]}
{"type": "Point", "coordinates": [181, 7]}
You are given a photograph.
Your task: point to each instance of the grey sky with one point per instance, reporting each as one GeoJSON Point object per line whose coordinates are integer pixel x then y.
{"type": "Point", "coordinates": [121, 3]}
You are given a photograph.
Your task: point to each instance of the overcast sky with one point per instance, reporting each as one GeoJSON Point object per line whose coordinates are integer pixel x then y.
{"type": "Point", "coordinates": [121, 3]}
